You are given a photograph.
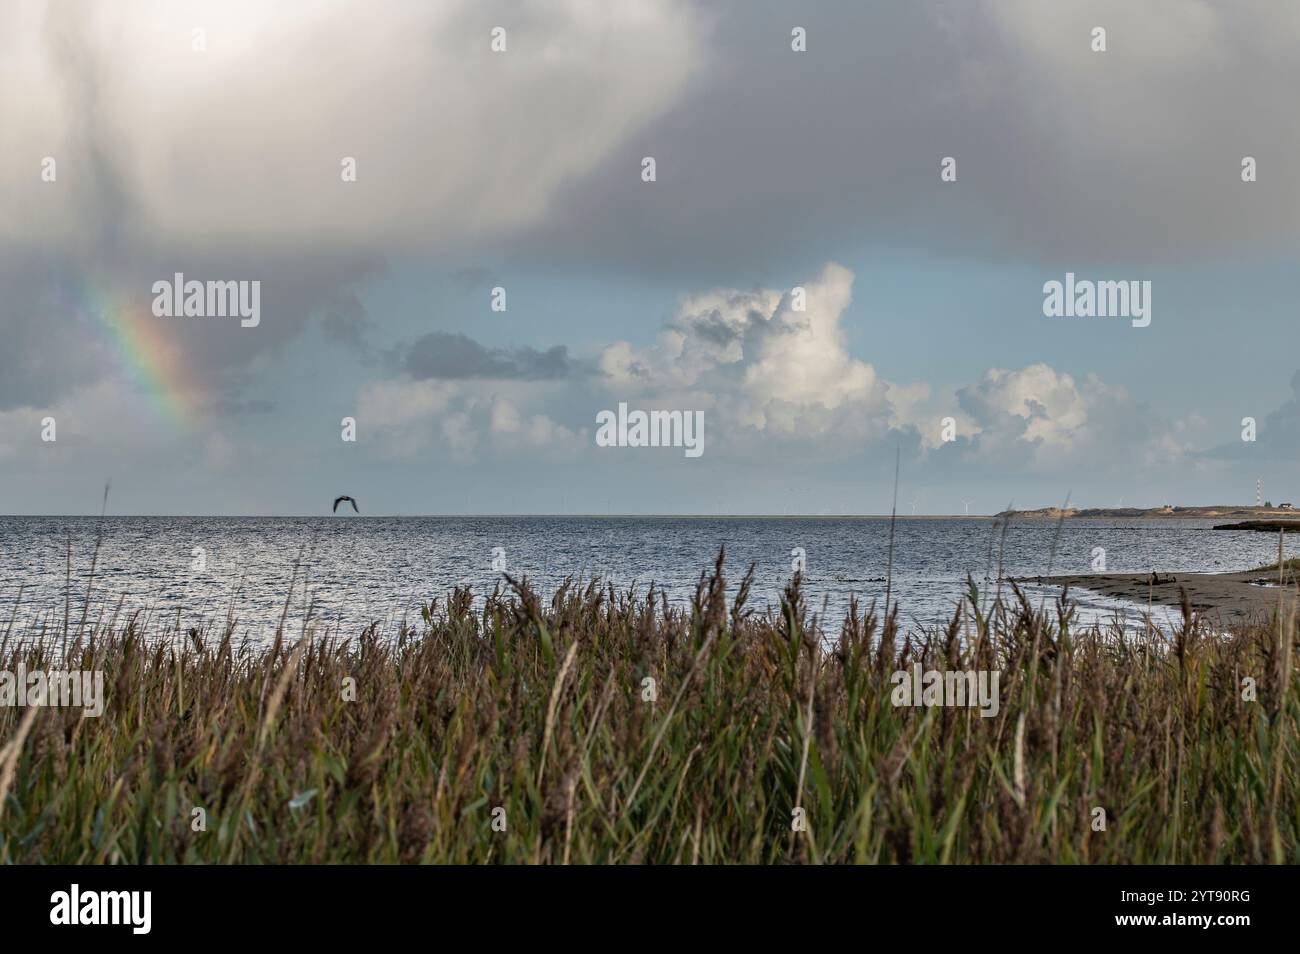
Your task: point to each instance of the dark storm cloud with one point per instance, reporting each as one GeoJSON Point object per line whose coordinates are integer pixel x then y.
{"type": "Point", "coordinates": [776, 158]}
{"type": "Point", "coordinates": [767, 158]}
{"type": "Point", "coordinates": [209, 181]}
{"type": "Point", "coordinates": [715, 329]}
{"type": "Point", "coordinates": [90, 172]}
{"type": "Point", "coordinates": [454, 144]}
{"type": "Point", "coordinates": [448, 355]}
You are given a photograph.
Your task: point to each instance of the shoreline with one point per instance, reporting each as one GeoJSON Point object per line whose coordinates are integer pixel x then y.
{"type": "Point", "coordinates": [1240, 596]}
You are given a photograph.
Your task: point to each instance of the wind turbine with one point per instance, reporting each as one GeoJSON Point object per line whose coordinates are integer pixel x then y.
{"type": "Point", "coordinates": [967, 503]}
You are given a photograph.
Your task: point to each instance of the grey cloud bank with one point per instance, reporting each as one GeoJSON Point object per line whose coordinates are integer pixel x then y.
{"type": "Point", "coordinates": [773, 166]}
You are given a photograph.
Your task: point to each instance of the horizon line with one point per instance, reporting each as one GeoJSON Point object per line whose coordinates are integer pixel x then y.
{"type": "Point", "coordinates": [389, 516]}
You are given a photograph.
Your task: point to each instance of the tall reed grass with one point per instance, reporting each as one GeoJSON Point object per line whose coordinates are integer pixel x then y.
{"type": "Point", "coordinates": [540, 710]}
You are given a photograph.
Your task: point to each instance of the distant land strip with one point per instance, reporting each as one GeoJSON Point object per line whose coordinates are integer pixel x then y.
{"type": "Point", "coordinates": [1192, 513]}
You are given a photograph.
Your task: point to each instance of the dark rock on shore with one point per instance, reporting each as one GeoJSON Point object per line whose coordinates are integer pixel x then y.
{"type": "Point", "coordinates": [1264, 526]}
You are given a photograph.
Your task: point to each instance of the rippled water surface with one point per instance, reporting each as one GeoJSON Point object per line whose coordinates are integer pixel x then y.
{"type": "Point", "coordinates": [360, 569]}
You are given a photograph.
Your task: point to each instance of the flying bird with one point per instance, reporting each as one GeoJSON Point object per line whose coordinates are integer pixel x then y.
{"type": "Point", "coordinates": [339, 500]}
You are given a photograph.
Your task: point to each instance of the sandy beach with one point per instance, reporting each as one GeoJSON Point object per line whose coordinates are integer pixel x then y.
{"type": "Point", "coordinates": [1232, 597]}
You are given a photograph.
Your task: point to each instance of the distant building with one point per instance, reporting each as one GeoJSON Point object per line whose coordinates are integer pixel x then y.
{"type": "Point", "coordinates": [1285, 506]}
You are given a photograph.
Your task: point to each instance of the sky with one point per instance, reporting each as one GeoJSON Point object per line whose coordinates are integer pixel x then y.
{"type": "Point", "coordinates": [799, 271]}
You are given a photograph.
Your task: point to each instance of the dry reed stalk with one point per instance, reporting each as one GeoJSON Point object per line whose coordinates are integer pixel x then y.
{"type": "Point", "coordinates": [550, 708]}
{"type": "Point", "coordinates": [9, 754]}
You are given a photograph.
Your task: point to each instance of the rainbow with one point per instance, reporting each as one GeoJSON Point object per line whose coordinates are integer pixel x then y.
{"type": "Point", "coordinates": [147, 349]}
